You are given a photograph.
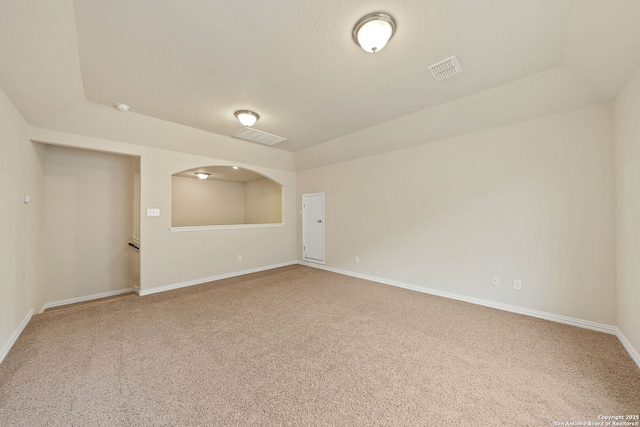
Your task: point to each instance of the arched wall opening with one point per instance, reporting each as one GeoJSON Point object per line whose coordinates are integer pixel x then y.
{"type": "Point", "coordinates": [228, 195]}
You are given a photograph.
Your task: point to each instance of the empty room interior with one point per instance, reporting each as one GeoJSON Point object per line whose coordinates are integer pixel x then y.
{"type": "Point", "coordinates": [320, 213]}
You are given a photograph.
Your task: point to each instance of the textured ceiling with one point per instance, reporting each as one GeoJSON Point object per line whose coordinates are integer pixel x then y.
{"type": "Point", "coordinates": [64, 62]}
{"type": "Point", "coordinates": [295, 63]}
{"type": "Point", "coordinates": [222, 173]}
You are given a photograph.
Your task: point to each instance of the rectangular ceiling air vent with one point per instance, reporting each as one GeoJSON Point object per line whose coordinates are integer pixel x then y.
{"type": "Point", "coordinates": [253, 135]}
{"type": "Point", "coordinates": [446, 68]}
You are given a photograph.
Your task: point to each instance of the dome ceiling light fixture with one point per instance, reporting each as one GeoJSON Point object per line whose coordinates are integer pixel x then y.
{"type": "Point", "coordinates": [122, 107]}
{"type": "Point", "coordinates": [246, 117]}
{"type": "Point", "coordinates": [202, 175]}
{"type": "Point", "coordinates": [373, 31]}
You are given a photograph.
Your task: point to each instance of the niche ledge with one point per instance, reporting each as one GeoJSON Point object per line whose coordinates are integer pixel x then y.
{"type": "Point", "coordinates": [223, 227]}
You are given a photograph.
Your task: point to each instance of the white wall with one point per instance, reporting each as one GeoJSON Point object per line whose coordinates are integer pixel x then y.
{"type": "Point", "coordinates": [88, 223]}
{"type": "Point", "coordinates": [262, 202]}
{"type": "Point", "coordinates": [196, 202]}
{"type": "Point", "coordinates": [627, 162]}
{"type": "Point", "coordinates": [168, 258]}
{"type": "Point", "coordinates": [532, 201]}
{"type": "Point", "coordinates": [20, 223]}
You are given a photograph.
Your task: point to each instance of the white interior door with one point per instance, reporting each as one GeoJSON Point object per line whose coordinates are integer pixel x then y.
{"type": "Point", "coordinates": [313, 227]}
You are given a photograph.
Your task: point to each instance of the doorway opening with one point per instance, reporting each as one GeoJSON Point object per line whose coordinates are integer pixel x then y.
{"type": "Point", "coordinates": [91, 226]}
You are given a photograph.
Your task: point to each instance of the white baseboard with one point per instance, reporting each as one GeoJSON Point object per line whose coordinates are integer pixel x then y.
{"type": "Point", "coordinates": [84, 298]}
{"type": "Point", "coordinates": [627, 345]}
{"type": "Point", "coordinates": [600, 327]}
{"type": "Point", "coordinates": [173, 286]}
{"type": "Point", "coordinates": [586, 324]}
{"type": "Point", "coordinates": [14, 337]}
{"type": "Point", "coordinates": [136, 289]}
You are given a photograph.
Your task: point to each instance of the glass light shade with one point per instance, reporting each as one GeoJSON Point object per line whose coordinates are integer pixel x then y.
{"type": "Point", "coordinates": [246, 117]}
{"type": "Point", "coordinates": [374, 35]}
{"type": "Point", "coordinates": [202, 175]}
{"type": "Point", "coordinates": [372, 32]}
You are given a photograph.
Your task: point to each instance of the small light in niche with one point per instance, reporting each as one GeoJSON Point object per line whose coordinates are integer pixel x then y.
{"type": "Point", "coordinates": [235, 167]}
{"type": "Point", "coordinates": [202, 175]}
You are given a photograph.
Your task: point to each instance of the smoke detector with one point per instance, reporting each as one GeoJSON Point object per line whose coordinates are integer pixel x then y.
{"type": "Point", "coordinates": [446, 68]}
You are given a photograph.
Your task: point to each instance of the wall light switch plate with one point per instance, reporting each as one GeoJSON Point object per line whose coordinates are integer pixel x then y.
{"type": "Point", "coordinates": [239, 257]}
{"type": "Point", "coordinates": [495, 280]}
{"type": "Point", "coordinates": [517, 284]}
{"type": "Point", "coordinates": [357, 259]}
{"type": "Point", "coordinates": [153, 212]}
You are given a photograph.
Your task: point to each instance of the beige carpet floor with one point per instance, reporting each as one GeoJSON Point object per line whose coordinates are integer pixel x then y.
{"type": "Point", "coordinates": [298, 346]}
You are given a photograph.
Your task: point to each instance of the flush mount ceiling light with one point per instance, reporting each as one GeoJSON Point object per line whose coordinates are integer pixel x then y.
{"type": "Point", "coordinates": [372, 32]}
{"type": "Point", "coordinates": [202, 175]}
{"type": "Point", "coordinates": [246, 117]}
{"type": "Point", "coordinates": [122, 107]}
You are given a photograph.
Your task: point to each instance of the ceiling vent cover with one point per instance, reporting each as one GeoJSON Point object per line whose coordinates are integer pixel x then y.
{"type": "Point", "coordinates": [253, 135]}
{"type": "Point", "coordinates": [446, 68]}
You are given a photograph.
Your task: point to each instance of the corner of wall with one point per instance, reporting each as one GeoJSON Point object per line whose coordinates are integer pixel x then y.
{"type": "Point", "coordinates": [20, 223]}
{"type": "Point", "coordinates": [626, 134]}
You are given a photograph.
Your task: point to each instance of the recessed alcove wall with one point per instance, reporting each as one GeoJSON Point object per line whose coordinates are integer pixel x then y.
{"type": "Point", "coordinates": [227, 197]}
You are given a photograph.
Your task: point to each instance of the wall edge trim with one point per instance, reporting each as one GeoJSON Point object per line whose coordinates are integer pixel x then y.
{"type": "Point", "coordinates": [194, 282]}
{"type": "Point", "coordinates": [83, 298]}
{"type": "Point", "coordinates": [187, 229]}
{"type": "Point", "coordinates": [15, 335]}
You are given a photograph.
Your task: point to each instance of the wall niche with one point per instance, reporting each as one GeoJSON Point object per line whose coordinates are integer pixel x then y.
{"type": "Point", "coordinates": [224, 196]}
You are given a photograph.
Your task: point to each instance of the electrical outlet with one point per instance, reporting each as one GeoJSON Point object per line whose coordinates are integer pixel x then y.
{"type": "Point", "coordinates": [239, 257]}
{"type": "Point", "coordinates": [357, 259]}
{"type": "Point", "coordinates": [517, 284]}
{"type": "Point", "coordinates": [495, 280]}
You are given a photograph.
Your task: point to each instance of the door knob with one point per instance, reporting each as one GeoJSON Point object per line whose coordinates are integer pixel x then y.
{"type": "Point", "coordinates": [319, 220]}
